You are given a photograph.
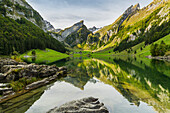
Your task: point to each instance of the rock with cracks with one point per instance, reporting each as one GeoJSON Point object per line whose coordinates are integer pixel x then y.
{"type": "Point", "coordinates": [85, 105]}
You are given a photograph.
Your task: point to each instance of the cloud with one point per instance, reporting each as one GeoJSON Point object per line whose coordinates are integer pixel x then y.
{"type": "Point", "coordinates": [64, 13]}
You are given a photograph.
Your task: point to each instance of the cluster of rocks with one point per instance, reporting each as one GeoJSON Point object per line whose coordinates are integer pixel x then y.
{"type": "Point", "coordinates": [4, 90]}
{"type": "Point", "coordinates": [11, 70]}
{"type": "Point", "coordinates": [85, 105]}
{"type": "Point", "coordinates": [61, 73]}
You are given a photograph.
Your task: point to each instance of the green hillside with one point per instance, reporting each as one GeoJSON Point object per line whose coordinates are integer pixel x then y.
{"type": "Point", "coordinates": [138, 50]}
{"type": "Point", "coordinates": [22, 35]}
{"type": "Point", "coordinates": [146, 50]}
{"type": "Point", "coordinates": [43, 56]}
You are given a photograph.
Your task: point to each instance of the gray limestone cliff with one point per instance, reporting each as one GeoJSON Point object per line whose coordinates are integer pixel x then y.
{"type": "Point", "coordinates": [74, 35]}
{"type": "Point", "coordinates": [17, 9]}
{"type": "Point", "coordinates": [115, 27]}
{"type": "Point", "coordinates": [69, 31]}
{"type": "Point", "coordinates": [49, 27]}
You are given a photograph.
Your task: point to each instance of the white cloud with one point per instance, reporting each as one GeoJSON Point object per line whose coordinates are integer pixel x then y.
{"type": "Point", "coordinates": [64, 13]}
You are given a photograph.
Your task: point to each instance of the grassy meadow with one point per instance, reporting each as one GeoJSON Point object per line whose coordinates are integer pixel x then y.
{"type": "Point", "coordinates": [43, 56]}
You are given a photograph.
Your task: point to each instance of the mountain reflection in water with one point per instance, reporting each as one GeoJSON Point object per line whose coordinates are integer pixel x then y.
{"type": "Point", "coordinates": [138, 81]}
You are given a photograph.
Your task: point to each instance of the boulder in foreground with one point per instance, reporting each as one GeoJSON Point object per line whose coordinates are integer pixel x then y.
{"type": "Point", "coordinates": [85, 105]}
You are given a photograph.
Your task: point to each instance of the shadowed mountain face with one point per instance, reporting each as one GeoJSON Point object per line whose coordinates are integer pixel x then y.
{"type": "Point", "coordinates": [74, 35]}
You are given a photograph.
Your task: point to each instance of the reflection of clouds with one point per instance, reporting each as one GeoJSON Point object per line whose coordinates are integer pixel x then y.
{"type": "Point", "coordinates": [63, 13]}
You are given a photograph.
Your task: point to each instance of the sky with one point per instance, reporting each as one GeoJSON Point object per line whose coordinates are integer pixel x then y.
{"type": "Point", "coordinates": [99, 13]}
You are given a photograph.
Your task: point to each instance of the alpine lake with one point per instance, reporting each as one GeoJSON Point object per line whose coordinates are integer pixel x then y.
{"type": "Point", "coordinates": [123, 84]}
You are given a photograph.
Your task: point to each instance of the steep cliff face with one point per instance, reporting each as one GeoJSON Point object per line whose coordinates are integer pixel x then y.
{"type": "Point", "coordinates": [17, 9]}
{"type": "Point", "coordinates": [48, 26]}
{"type": "Point", "coordinates": [105, 34]}
{"type": "Point", "coordinates": [107, 31]}
{"type": "Point", "coordinates": [129, 12]}
{"type": "Point", "coordinates": [68, 31]}
{"type": "Point", "coordinates": [78, 37]}
{"type": "Point", "coordinates": [74, 35]}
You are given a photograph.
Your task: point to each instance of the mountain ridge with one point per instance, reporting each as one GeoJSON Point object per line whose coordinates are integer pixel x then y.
{"type": "Point", "coordinates": [110, 35]}
{"type": "Point", "coordinates": [73, 35]}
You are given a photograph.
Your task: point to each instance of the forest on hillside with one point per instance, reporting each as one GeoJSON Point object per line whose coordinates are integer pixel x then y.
{"type": "Point", "coordinates": [22, 35]}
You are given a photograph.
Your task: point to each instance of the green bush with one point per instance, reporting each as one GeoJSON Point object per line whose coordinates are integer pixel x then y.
{"type": "Point", "coordinates": [21, 83]}
{"type": "Point", "coordinates": [33, 53]}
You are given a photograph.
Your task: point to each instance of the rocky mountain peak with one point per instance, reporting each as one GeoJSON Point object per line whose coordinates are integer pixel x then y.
{"type": "Point", "coordinates": [79, 24]}
{"type": "Point", "coordinates": [72, 29]}
{"type": "Point", "coordinates": [93, 29]}
{"type": "Point", "coordinates": [136, 7]}
{"type": "Point", "coordinates": [129, 12]}
{"type": "Point", "coordinates": [131, 9]}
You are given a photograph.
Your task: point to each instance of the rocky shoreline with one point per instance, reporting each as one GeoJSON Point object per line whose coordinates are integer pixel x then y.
{"type": "Point", "coordinates": [11, 70]}
{"type": "Point", "coordinates": [85, 105]}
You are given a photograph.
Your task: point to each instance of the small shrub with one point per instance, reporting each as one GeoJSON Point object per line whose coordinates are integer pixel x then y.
{"type": "Point", "coordinates": [33, 79]}
{"type": "Point", "coordinates": [135, 52]}
{"type": "Point", "coordinates": [141, 48]}
{"type": "Point", "coordinates": [17, 70]}
{"type": "Point", "coordinates": [16, 85]}
{"type": "Point", "coordinates": [33, 52]}
{"type": "Point", "coordinates": [21, 83]}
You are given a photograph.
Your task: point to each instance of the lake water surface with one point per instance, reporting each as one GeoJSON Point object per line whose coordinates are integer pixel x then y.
{"type": "Point", "coordinates": [124, 85]}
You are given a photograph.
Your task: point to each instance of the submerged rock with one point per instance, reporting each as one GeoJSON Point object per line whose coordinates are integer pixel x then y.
{"type": "Point", "coordinates": [85, 105]}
